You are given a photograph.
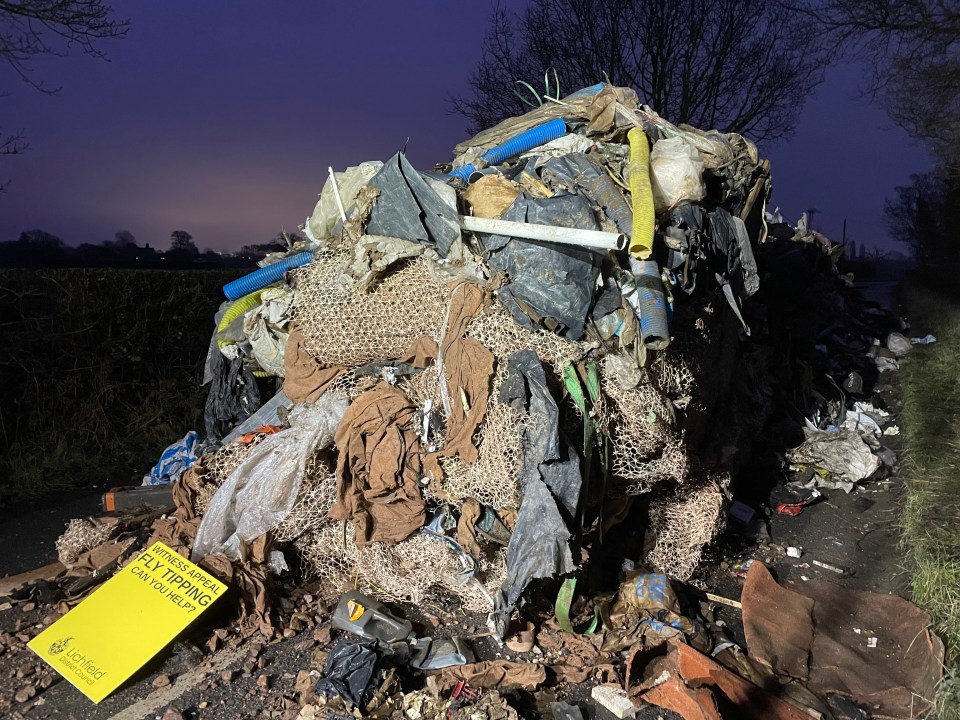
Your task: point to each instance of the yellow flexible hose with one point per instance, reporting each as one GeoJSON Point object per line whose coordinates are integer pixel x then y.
{"type": "Point", "coordinates": [244, 304]}
{"type": "Point", "coordinates": [641, 242]}
{"type": "Point", "coordinates": [241, 306]}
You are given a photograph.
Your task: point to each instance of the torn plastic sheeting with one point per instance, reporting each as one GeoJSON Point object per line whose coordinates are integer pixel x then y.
{"type": "Point", "coordinates": [174, 460]}
{"type": "Point", "coordinates": [322, 222]}
{"type": "Point", "coordinates": [861, 422]}
{"type": "Point", "coordinates": [261, 492]}
{"type": "Point", "coordinates": [807, 634]}
{"type": "Point", "coordinates": [266, 328]}
{"type": "Point", "coordinates": [233, 396]}
{"type": "Point", "coordinates": [555, 282]}
{"type": "Point", "coordinates": [840, 452]}
{"type": "Point", "coordinates": [550, 485]}
{"type": "Point", "coordinates": [409, 209]}
{"type": "Point", "coordinates": [676, 173]}
{"type": "Point", "coordinates": [351, 672]}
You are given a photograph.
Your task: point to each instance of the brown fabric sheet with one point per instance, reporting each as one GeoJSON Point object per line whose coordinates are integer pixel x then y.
{"type": "Point", "coordinates": [470, 513]}
{"type": "Point", "coordinates": [378, 468]}
{"type": "Point", "coordinates": [468, 371]}
{"type": "Point", "coordinates": [494, 673]}
{"type": "Point", "coordinates": [304, 378]}
{"type": "Point", "coordinates": [895, 679]}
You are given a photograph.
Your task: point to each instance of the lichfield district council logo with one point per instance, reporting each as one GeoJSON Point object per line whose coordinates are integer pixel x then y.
{"type": "Point", "coordinates": [58, 646]}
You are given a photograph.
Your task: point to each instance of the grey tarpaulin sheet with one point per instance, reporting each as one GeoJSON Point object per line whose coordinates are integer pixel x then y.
{"type": "Point", "coordinates": [578, 172]}
{"type": "Point", "coordinates": [410, 209]}
{"type": "Point", "coordinates": [553, 281]}
{"type": "Point", "coordinates": [732, 242]}
{"type": "Point", "coordinates": [234, 396]}
{"type": "Point", "coordinates": [550, 485]}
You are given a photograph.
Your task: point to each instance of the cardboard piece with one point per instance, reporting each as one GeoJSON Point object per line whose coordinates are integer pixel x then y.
{"type": "Point", "coordinates": [129, 619]}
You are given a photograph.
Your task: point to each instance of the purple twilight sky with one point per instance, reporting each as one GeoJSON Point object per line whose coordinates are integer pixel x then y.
{"type": "Point", "coordinates": [221, 119]}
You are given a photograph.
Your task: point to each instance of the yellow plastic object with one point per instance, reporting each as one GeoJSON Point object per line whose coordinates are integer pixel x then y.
{"type": "Point", "coordinates": [244, 304]}
{"type": "Point", "coordinates": [641, 242]}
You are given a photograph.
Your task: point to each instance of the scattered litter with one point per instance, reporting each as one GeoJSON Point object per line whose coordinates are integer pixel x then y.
{"type": "Point", "coordinates": [898, 344]}
{"type": "Point", "coordinates": [827, 566]}
{"type": "Point", "coordinates": [794, 552]}
{"type": "Point", "coordinates": [925, 340]}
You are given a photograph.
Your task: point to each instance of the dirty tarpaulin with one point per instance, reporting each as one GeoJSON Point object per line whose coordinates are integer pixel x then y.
{"type": "Point", "coordinates": [550, 484]}
{"type": "Point", "coordinates": [410, 209]}
{"type": "Point", "coordinates": [378, 467]}
{"type": "Point", "coordinates": [174, 460]}
{"type": "Point", "coordinates": [811, 635]}
{"type": "Point", "coordinates": [550, 285]}
{"type": "Point", "coordinates": [493, 674]}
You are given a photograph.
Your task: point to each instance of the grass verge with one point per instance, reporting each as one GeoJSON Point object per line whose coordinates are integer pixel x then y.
{"type": "Point", "coordinates": [930, 377]}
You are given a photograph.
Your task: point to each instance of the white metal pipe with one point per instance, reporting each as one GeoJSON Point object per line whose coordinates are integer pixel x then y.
{"type": "Point", "coordinates": [596, 239]}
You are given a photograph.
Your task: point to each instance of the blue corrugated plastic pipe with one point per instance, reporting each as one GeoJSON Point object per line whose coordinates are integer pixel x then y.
{"type": "Point", "coordinates": [264, 276]}
{"type": "Point", "coordinates": [527, 140]}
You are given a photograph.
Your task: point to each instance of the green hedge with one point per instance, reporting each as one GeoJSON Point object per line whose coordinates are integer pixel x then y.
{"type": "Point", "coordinates": [99, 371]}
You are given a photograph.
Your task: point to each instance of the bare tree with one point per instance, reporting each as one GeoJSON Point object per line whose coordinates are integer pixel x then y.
{"type": "Point", "coordinates": [735, 65]}
{"type": "Point", "coordinates": [182, 242]}
{"type": "Point", "coordinates": [29, 28]}
{"type": "Point", "coordinates": [912, 48]}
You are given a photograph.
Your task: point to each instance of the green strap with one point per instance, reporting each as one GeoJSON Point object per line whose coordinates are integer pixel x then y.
{"type": "Point", "coordinates": [561, 610]}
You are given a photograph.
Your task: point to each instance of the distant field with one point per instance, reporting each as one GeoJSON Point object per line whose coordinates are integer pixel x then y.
{"type": "Point", "coordinates": [99, 371]}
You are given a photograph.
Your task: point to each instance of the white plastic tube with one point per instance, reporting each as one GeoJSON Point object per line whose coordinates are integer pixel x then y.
{"type": "Point", "coordinates": [596, 239]}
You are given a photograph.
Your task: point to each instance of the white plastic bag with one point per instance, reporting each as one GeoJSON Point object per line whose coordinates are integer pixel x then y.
{"type": "Point", "coordinates": [676, 173]}
{"type": "Point", "coordinates": [261, 492]}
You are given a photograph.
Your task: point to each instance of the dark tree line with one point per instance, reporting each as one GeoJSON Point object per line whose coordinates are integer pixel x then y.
{"type": "Point", "coordinates": [734, 65]}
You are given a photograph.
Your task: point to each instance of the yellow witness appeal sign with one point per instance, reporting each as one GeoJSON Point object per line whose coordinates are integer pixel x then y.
{"type": "Point", "coordinates": [111, 634]}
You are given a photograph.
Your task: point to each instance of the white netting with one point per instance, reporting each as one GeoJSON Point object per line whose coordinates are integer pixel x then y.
{"type": "Point", "coordinates": [647, 448]}
{"type": "Point", "coordinates": [318, 492]}
{"type": "Point", "coordinates": [345, 327]}
{"type": "Point", "coordinates": [217, 467]}
{"type": "Point", "coordinates": [682, 525]}
{"type": "Point", "coordinates": [494, 478]}
{"type": "Point", "coordinates": [80, 536]}
{"type": "Point", "coordinates": [416, 570]}
{"type": "Point", "coordinates": [499, 333]}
